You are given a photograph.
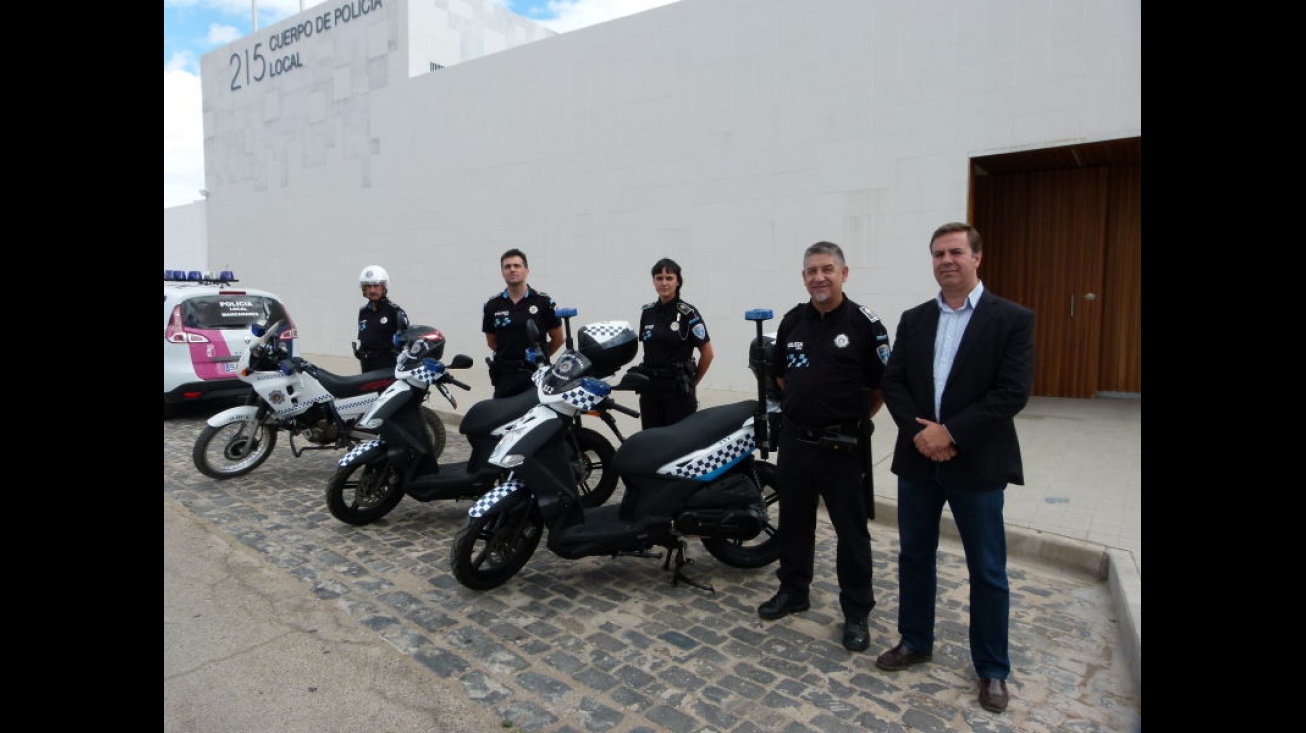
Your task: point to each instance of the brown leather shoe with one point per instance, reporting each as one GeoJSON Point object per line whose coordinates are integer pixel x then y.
{"type": "Point", "coordinates": [901, 657]}
{"type": "Point", "coordinates": [993, 694]}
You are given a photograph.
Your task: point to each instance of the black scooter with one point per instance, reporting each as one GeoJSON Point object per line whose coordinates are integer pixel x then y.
{"type": "Point", "coordinates": [697, 478]}
{"type": "Point", "coordinates": [374, 476]}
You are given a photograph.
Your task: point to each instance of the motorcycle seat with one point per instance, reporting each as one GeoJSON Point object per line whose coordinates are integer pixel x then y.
{"type": "Point", "coordinates": [486, 415]}
{"type": "Point", "coordinates": [347, 386]}
{"type": "Point", "coordinates": [649, 449]}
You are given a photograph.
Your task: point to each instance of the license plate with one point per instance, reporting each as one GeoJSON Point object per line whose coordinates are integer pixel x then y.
{"type": "Point", "coordinates": [229, 367]}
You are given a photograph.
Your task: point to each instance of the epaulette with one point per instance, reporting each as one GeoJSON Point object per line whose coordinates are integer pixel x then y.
{"type": "Point", "coordinates": [870, 314]}
{"type": "Point", "coordinates": [646, 306]}
{"type": "Point", "coordinates": [685, 308]}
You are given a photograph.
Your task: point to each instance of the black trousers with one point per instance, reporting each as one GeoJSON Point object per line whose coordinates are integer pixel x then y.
{"type": "Point", "coordinates": [663, 403]}
{"type": "Point", "coordinates": [510, 381]}
{"type": "Point", "coordinates": [378, 362]}
{"type": "Point", "coordinates": [805, 475]}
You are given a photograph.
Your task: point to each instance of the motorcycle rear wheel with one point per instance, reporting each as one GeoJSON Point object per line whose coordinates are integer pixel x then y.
{"type": "Point", "coordinates": [591, 459]}
{"type": "Point", "coordinates": [491, 549]}
{"type": "Point", "coordinates": [763, 549]}
{"type": "Point", "coordinates": [364, 492]}
{"type": "Point", "coordinates": [234, 449]}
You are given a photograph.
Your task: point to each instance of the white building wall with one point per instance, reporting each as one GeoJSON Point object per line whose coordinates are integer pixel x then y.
{"type": "Point", "coordinates": [185, 238]}
{"type": "Point", "coordinates": [726, 134]}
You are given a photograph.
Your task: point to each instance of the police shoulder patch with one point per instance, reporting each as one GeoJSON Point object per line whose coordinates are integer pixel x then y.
{"type": "Point", "coordinates": [870, 314]}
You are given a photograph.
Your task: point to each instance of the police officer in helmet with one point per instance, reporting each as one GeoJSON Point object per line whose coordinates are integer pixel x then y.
{"type": "Point", "coordinates": [378, 321]}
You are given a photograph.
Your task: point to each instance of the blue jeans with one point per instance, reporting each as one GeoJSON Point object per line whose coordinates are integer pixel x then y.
{"type": "Point", "coordinates": [978, 514]}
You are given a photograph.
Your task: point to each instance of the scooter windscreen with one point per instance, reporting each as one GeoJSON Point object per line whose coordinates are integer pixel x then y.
{"type": "Point", "coordinates": [560, 377]}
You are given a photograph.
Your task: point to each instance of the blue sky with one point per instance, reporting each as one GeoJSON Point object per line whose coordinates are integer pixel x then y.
{"type": "Point", "coordinates": [192, 28]}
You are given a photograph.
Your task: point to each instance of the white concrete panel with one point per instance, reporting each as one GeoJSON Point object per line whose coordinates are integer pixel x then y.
{"type": "Point", "coordinates": [185, 239]}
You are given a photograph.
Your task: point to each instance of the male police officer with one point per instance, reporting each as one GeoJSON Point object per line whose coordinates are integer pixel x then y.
{"type": "Point", "coordinates": [378, 321]}
{"type": "Point", "coordinates": [503, 321]}
{"type": "Point", "coordinates": [828, 358]}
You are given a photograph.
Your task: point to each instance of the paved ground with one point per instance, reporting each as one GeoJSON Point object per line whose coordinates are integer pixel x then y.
{"type": "Point", "coordinates": [265, 593]}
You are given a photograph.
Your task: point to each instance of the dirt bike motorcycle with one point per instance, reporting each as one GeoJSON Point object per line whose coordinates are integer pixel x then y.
{"type": "Point", "coordinates": [294, 396]}
{"type": "Point", "coordinates": [375, 476]}
{"type": "Point", "coordinates": [697, 478]}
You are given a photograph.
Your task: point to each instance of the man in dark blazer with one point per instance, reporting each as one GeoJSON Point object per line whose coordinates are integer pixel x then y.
{"type": "Point", "coordinates": [961, 369]}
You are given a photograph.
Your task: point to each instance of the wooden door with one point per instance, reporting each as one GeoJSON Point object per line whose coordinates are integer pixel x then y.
{"type": "Point", "coordinates": [1045, 247]}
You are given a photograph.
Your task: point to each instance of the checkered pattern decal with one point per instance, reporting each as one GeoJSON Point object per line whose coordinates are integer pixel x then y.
{"type": "Point", "coordinates": [428, 373]}
{"type": "Point", "coordinates": [711, 461]}
{"type": "Point", "coordinates": [606, 330]}
{"type": "Point", "coordinates": [794, 361]}
{"type": "Point", "coordinates": [493, 496]}
{"type": "Point", "coordinates": [359, 450]}
{"type": "Point", "coordinates": [581, 398]}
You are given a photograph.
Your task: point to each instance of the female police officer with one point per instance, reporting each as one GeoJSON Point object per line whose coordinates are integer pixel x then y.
{"type": "Point", "coordinates": [670, 330]}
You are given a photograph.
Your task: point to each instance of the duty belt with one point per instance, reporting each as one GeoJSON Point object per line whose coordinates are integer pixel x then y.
{"type": "Point", "coordinates": [668, 372]}
{"type": "Point", "coordinates": [840, 436]}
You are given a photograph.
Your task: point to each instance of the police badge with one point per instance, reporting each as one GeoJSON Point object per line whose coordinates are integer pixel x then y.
{"type": "Point", "coordinates": [841, 340]}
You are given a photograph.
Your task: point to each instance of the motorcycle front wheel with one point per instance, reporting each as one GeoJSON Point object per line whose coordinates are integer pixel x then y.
{"type": "Point", "coordinates": [234, 449]}
{"type": "Point", "coordinates": [364, 492]}
{"type": "Point", "coordinates": [591, 460]}
{"type": "Point", "coordinates": [437, 433]}
{"type": "Point", "coordinates": [491, 549]}
{"type": "Point", "coordinates": [763, 549]}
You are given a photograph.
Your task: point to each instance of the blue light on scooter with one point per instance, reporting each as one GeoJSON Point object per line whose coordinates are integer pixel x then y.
{"type": "Point", "coordinates": [596, 387]}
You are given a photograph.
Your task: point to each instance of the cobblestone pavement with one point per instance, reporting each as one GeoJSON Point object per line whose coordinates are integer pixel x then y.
{"type": "Point", "coordinates": [608, 644]}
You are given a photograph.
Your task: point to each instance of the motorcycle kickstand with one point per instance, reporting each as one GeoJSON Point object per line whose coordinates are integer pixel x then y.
{"type": "Point", "coordinates": [681, 561]}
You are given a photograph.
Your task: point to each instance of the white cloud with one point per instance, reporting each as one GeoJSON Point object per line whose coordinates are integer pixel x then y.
{"type": "Point", "coordinates": [221, 35]}
{"type": "Point", "coordinates": [183, 133]}
{"type": "Point", "coordinates": [570, 15]}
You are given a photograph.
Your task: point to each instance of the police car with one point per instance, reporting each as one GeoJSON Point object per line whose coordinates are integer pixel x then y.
{"type": "Point", "coordinates": [206, 322]}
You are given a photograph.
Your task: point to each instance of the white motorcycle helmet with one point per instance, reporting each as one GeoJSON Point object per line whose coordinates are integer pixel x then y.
{"type": "Point", "coordinates": [374, 275]}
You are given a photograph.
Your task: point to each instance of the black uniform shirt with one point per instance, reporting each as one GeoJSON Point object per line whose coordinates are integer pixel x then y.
{"type": "Point", "coordinates": [378, 322]}
{"type": "Point", "coordinates": [670, 332]}
{"type": "Point", "coordinates": [507, 321]}
{"type": "Point", "coordinates": [827, 363]}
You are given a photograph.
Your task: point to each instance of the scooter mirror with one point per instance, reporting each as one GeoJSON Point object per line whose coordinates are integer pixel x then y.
{"type": "Point", "coordinates": [460, 361]}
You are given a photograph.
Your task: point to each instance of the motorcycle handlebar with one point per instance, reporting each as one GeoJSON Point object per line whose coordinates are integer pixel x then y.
{"type": "Point", "coordinates": [448, 378]}
{"type": "Point", "coordinates": [610, 405]}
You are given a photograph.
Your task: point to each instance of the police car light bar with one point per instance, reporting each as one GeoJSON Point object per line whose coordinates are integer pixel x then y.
{"type": "Point", "coordinates": [207, 277]}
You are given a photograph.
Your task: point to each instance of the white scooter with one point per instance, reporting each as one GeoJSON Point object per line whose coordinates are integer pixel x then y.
{"type": "Point", "coordinates": [293, 395]}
